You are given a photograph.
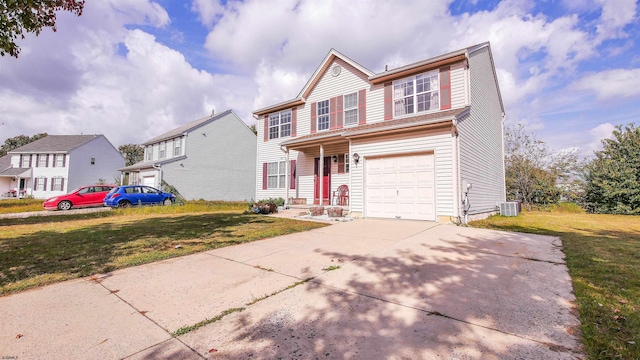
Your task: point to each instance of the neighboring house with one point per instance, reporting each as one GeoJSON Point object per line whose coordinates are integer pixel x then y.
{"type": "Point", "coordinates": [212, 158]}
{"type": "Point", "coordinates": [57, 164]}
{"type": "Point", "coordinates": [408, 142]}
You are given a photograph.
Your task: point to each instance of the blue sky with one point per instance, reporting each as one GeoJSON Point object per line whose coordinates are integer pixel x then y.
{"type": "Point", "coordinates": [132, 69]}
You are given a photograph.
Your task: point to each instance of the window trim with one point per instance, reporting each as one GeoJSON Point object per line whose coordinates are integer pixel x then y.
{"type": "Point", "coordinates": [280, 175]}
{"type": "Point", "coordinates": [40, 183]}
{"type": "Point", "coordinates": [414, 95]}
{"type": "Point", "coordinates": [177, 147]}
{"type": "Point", "coordinates": [354, 108]}
{"type": "Point", "coordinates": [59, 160]}
{"type": "Point", "coordinates": [325, 115]}
{"type": "Point", "coordinates": [278, 125]}
{"type": "Point", "coordinates": [149, 156]}
{"type": "Point", "coordinates": [54, 180]}
{"type": "Point", "coordinates": [346, 163]}
{"type": "Point", "coordinates": [162, 150]}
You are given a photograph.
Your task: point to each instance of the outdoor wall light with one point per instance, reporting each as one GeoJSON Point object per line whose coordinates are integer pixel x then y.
{"type": "Point", "coordinates": [334, 158]}
{"type": "Point", "coordinates": [356, 157]}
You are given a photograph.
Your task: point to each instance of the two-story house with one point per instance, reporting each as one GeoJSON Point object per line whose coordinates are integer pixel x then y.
{"type": "Point", "coordinates": [212, 158]}
{"type": "Point", "coordinates": [57, 164]}
{"type": "Point", "coordinates": [423, 141]}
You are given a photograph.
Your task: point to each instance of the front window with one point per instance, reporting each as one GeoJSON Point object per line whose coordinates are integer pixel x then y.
{"type": "Point", "coordinates": [42, 160]}
{"type": "Point", "coordinates": [176, 147]}
{"type": "Point", "coordinates": [351, 109]}
{"type": "Point", "coordinates": [276, 175]}
{"type": "Point", "coordinates": [280, 124]}
{"type": "Point", "coordinates": [40, 183]}
{"type": "Point", "coordinates": [25, 162]}
{"type": "Point", "coordinates": [162, 150]}
{"type": "Point", "coordinates": [59, 160]}
{"type": "Point", "coordinates": [416, 94]}
{"type": "Point", "coordinates": [323, 115]}
{"type": "Point", "coordinates": [56, 184]}
{"type": "Point", "coordinates": [149, 153]}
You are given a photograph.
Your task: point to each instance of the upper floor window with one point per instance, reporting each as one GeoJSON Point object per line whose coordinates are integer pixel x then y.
{"type": "Point", "coordinates": [149, 153]}
{"type": "Point", "coordinates": [59, 160]}
{"type": "Point", "coordinates": [25, 161]}
{"type": "Point", "coordinates": [416, 94]}
{"type": "Point", "coordinates": [42, 160]}
{"type": "Point", "coordinates": [276, 173]}
{"type": "Point", "coordinates": [280, 124]}
{"type": "Point", "coordinates": [351, 109]}
{"type": "Point", "coordinates": [163, 152]}
{"type": "Point", "coordinates": [323, 115]}
{"type": "Point", "coordinates": [176, 147]}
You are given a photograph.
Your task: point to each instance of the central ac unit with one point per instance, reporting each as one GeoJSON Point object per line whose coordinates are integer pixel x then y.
{"type": "Point", "coordinates": [509, 208]}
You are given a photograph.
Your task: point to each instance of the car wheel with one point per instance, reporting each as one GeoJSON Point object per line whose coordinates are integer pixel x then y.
{"type": "Point", "coordinates": [167, 202]}
{"type": "Point", "coordinates": [124, 204]}
{"type": "Point", "coordinates": [64, 205]}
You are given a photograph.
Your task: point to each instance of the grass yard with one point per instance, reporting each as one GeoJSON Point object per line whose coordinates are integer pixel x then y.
{"type": "Point", "coordinates": [603, 256]}
{"type": "Point", "coordinates": [20, 205]}
{"type": "Point", "coordinates": [41, 250]}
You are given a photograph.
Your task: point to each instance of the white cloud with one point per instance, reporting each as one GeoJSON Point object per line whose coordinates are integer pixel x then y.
{"type": "Point", "coordinates": [615, 15]}
{"type": "Point", "coordinates": [611, 84]}
{"type": "Point", "coordinates": [599, 133]}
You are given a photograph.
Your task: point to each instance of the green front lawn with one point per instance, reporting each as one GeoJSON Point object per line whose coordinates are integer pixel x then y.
{"type": "Point", "coordinates": [603, 256]}
{"type": "Point", "coordinates": [41, 250]}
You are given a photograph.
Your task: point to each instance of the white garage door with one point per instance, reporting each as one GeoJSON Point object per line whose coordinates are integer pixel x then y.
{"type": "Point", "coordinates": [400, 187]}
{"type": "Point", "coordinates": [149, 181]}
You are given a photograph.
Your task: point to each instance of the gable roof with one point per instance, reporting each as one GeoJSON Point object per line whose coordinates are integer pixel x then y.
{"type": "Point", "coordinates": [190, 126]}
{"type": "Point", "coordinates": [311, 83]}
{"type": "Point", "coordinates": [386, 76]}
{"type": "Point", "coordinates": [55, 144]}
{"type": "Point", "coordinates": [5, 162]}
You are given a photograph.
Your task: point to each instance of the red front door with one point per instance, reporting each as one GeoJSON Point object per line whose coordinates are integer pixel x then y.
{"type": "Point", "coordinates": [326, 181]}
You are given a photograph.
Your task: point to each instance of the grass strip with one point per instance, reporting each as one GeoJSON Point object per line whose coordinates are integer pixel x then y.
{"type": "Point", "coordinates": [188, 329]}
{"type": "Point", "coordinates": [279, 291]}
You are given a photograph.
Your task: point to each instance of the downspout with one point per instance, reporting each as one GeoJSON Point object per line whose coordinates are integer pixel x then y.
{"type": "Point", "coordinates": [255, 193]}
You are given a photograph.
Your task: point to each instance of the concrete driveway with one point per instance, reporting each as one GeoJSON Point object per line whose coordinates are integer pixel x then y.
{"type": "Point", "coordinates": [403, 289]}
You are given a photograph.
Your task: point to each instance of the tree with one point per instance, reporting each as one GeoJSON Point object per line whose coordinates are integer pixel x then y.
{"type": "Point", "coordinates": [612, 178]}
{"type": "Point", "coordinates": [20, 16]}
{"type": "Point", "coordinates": [254, 129]}
{"type": "Point", "coordinates": [132, 152]}
{"type": "Point", "coordinates": [532, 170]}
{"type": "Point", "coordinates": [18, 141]}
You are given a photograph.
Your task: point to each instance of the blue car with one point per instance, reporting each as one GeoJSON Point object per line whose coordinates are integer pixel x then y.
{"type": "Point", "coordinates": [125, 196]}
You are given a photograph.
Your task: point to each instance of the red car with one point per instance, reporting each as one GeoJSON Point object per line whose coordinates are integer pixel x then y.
{"type": "Point", "coordinates": [84, 196]}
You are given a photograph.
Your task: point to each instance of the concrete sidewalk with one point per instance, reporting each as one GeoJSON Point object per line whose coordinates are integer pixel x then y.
{"type": "Point", "coordinates": [403, 289]}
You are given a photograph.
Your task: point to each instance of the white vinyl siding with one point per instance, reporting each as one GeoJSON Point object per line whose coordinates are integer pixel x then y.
{"type": "Point", "coordinates": [481, 154]}
{"type": "Point", "coordinates": [438, 141]}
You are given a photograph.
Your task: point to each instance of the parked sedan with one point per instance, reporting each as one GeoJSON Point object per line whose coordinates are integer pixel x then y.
{"type": "Point", "coordinates": [84, 196]}
{"type": "Point", "coordinates": [125, 196]}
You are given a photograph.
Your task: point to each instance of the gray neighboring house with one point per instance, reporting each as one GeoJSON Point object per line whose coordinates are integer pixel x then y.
{"type": "Point", "coordinates": [56, 164]}
{"type": "Point", "coordinates": [212, 158]}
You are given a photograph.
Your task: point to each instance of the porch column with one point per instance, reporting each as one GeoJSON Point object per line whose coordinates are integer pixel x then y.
{"type": "Point", "coordinates": [321, 176]}
{"type": "Point", "coordinates": [288, 177]}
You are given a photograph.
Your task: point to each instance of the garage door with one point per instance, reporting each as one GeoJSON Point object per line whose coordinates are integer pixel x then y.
{"type": "Point", "coordinates": [400, 187]}
{"type": "Point", "coordinates": [149, 181]}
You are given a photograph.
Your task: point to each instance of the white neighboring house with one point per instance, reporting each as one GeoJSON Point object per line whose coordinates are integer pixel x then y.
{"type": "Point", "coordinates": [423, 141]}
{"type": "Point", "coordinates": [212, 158]}
{"type": "Point", "coordinates": [57, 164]}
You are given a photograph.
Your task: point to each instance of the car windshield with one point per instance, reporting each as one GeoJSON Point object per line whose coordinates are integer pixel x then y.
{"type": "Point", "coordinates": [114, 190]}
{"type": "Point", "coordinates": [75, 190]}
